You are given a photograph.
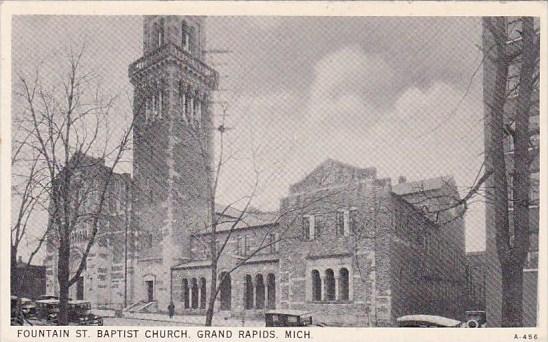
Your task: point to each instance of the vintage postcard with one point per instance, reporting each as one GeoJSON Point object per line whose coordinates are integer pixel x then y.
{"type": "Point", "coordinates": [228, 171]}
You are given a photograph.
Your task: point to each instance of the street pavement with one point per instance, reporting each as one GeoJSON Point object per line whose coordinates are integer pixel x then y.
{"type": "Point", "coordinates": [115, 321]}
{"type": "Point", "coordinates": [189, 320]}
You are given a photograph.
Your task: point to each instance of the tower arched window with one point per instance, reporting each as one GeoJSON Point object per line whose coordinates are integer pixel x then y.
{"type": "Point", "coordinates": [192, 40]}
{"type": "Point", "coordinates": [188, 105]}
{"type": "Point", "coordinates": [185, 36]}
{"type": "Point", "coordinates": [192, 107]}
{"type": "Point", "coordinates": [160, 32]}
{"type": "Point", "coordinates": [154, 36]}
{"type": "Point", "coordinates": [316, 286]}
{"type": "Point", "coordinates": [161, 97]}
{"type": "Point", "coordinates": [182, 99]}
{"type": "Point", "coordinates": [329, 285]}
{"type": "Point", "coordinates": [198, 110]}
{"type": "Point", "coordinates": [343, 284]}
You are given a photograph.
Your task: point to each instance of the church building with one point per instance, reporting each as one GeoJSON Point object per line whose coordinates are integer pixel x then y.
{"type": "Point", "coordinates": [346, 244]}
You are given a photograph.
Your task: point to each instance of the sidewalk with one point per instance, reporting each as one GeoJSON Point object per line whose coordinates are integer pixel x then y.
{"type": "Point", "coordinates": [194, 320]}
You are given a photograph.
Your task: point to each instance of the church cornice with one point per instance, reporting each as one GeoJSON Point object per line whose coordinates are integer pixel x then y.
{"type": "Point", "coordinates": [171, 53]}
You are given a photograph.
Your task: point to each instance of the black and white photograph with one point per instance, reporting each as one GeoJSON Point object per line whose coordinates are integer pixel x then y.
{"type": "Point", "coordinates": [273, 171]}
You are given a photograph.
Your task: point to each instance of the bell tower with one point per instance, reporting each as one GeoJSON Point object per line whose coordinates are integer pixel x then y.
{"type": "Point", "coordinates": [172, 147]}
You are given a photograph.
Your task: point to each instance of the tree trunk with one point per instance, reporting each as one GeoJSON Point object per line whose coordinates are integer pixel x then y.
{"type": "Point", "coordinates": [512, 278]}
{"type": "Point", "coordinates": [212, 295]}
{"type": "Point", "coordinates": [512, 294]}
{"type": "Point", "coordinates": [13, 271]}
{"type": "Point", "coordinates": [512, 241]}
{"type": "Point", "coordinates": [63, 278]}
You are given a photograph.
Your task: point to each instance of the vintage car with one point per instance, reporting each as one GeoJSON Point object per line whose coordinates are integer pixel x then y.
{"type": "Point", "coordinates": [16, 314]}
{"type": "Point", "coordinates": [28, 307]}
{"type": "Point", "coordinates": [475, 319]}
{"type": "Point", "coordinates": [79, 312]}
{"type": "Point", "coordinates": [428, 321]}
{"type": "Point", "coordinates": [42, 297]}
{"type": "Point", "coordinates": [47, 310]}
{"type": "Point", "coordinates": [290, 318]}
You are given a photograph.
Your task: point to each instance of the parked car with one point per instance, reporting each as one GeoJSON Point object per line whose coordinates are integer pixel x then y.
{"type": "Point", "coordinates": [290, 318]}
{"type": "Point", "coordinates": [428, 321]}
{"type": "Point", "coordinates": [28, 307]}
{"type": "Point", "coordinates": [79, 312]}
{"type": "Point", "coordinates": [16, 314]}
{"type": "Point", "coordinates": [476, 319]}
{"type": "Point", "coordinates": [47, 310]}
{"type": "Point", "coordinates": [43, 297]}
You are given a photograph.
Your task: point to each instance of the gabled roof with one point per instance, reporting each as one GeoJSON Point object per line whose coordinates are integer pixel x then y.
{"type": "Point", "coordinates": [332, 172]}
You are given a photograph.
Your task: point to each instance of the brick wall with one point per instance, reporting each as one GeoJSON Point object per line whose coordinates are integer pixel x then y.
{"type": "Point", "coordinates": [427, 270]}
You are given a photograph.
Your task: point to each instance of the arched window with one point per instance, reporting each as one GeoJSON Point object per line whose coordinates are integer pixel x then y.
{"type": "Point", "coordinates": [343, 284]}
{"type": "Point", "coordinates": [161, 32]}
{"type": "Point", "coordinates": [248, 292]}
{"type": "Point", "coordinates": [329, 285]}
{"type": "Point", "coordinates": [203, 290]}
{"type": "Point", "coordinates": [162, 99]}
{"type": "Point", "coordinates": [184, 294]}
{"type": "Point", "coordinates": [191, 40]}
{"type": "Point", "coordinates": [154, 37]}
{"type": "Point", "coordinates": [182, 99]}
{"type": "Point", "coordinates": [194, 293]}
{"type": "Point", "coordinates": [271, 291]}
{"type": "Point", "coordinates": [187, 106]}
{"type": "Point", "coordinates": [316, 286]}
{"type": "Point", "coordinates": [259, 292]}
{"type": "Point", "coordinates": [198, 110]}
{"type": "Point", "coordinates": [185, 36]}
{"type": "Point", "coordinates": [192, 107]}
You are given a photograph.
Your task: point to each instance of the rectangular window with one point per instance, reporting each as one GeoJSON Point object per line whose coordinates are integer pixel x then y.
{"type": "Point", "coordinates": [353, 220]}
{"type": "Point", "coordinates": [269, 243]}
{"type": "Point", "coordinates": [340, 223]}
{"type": "Point", "coordinates": [246, 246]}
{"type": "Point", "coordinates": [276, 239]}
{"type": "Point", "coordinates": [306, 227]}
{"type": "Point", "coordinates": [319, 224]}
{"type": "Point", "coordinates": [238, 247]}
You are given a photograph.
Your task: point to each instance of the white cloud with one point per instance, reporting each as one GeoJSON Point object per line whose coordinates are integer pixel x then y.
{"type": "Point", "coordinates": [349, 84]}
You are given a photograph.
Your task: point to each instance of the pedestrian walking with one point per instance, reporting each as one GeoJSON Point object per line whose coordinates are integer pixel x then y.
{"type": "Point", "coordinates": [171, 309]}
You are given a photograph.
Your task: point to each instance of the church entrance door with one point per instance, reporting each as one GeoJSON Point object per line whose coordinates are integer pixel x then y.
{"type": "Point", "coordinates": [80, 288]}
{"type": "Point", "coordinates": [150, 290]}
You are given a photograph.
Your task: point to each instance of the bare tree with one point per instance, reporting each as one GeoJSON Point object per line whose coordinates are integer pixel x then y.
{"type": "Point", "coordinates": [28, 190]}
{"type": "Point", "coordinates": [223, 221]}
{"type": "Point", "coordinates": [510, 183]}
{"type": "Point", "coordinates": [69, 116]}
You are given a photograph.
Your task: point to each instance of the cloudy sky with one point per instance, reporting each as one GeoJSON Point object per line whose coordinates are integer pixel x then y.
{"type": "Point", "coordinates": [400, 94]}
